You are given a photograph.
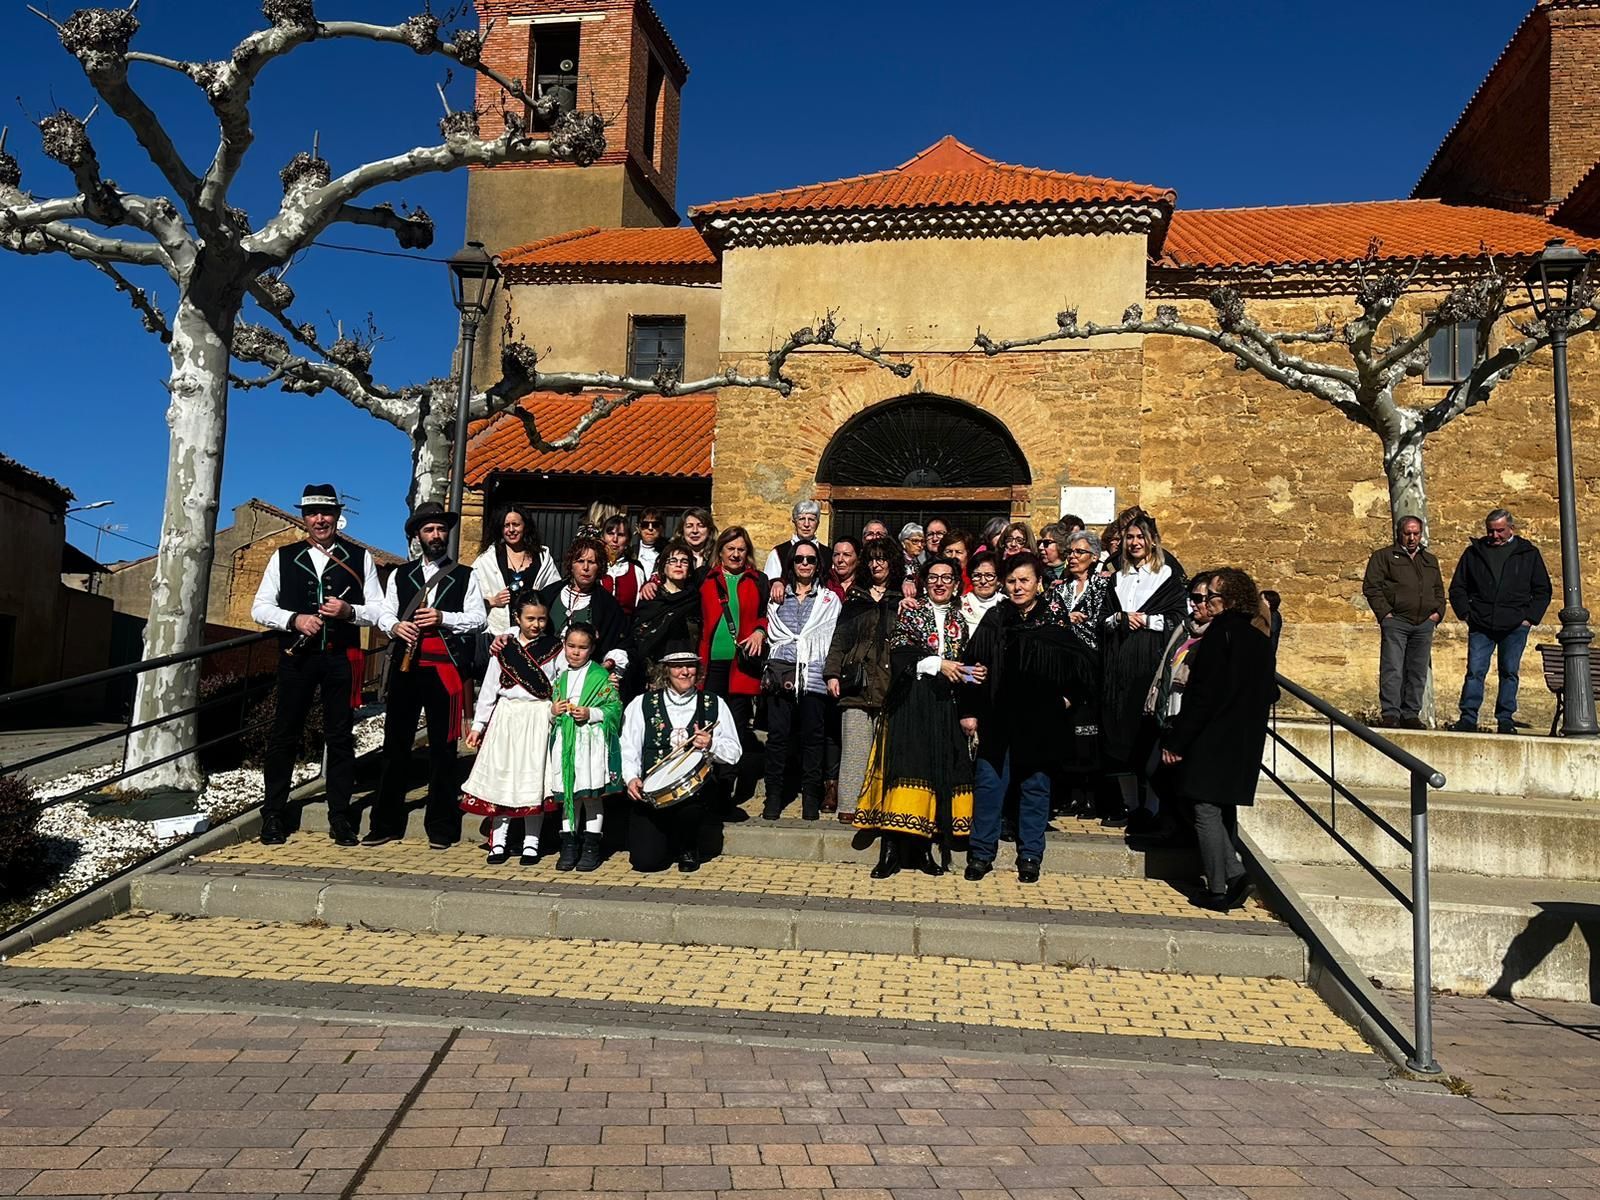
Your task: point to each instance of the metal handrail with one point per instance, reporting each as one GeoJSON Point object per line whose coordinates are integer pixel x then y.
{"type": "Point", "coordinates": [138, 668]}
{"type": "Point", "coordinates": [1422, 777]}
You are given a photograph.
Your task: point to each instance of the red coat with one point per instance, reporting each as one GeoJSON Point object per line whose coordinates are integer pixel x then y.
{"type": "Point", "coordinates": [752, 616]}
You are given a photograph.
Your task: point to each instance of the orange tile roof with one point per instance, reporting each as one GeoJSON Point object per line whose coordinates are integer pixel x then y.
{"type": "Point", "coordinates": [594, 246]}
{"type": "Point", "coordinates": [948, 174]}
{"type": "Point", "coordinates": [655, 435]}
{"type": "Point", "coordinates": [1315, 235]}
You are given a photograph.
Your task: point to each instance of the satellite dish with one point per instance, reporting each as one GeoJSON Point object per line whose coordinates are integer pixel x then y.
{"type": "Point", "coordinates": [343, 521]}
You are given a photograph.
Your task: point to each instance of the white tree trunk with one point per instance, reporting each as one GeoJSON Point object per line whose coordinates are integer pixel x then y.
{"type": "Point", "coordinates": [1403, 467]}
{"type": "Point", "coordinates": [197, 417]}
{"type": "Point", "coordinates": [430, 461]}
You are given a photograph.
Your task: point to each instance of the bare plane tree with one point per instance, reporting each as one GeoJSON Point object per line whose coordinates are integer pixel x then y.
{"type": "Point", "coordinates": [1366, 360]}
{"type": "Point", "coordinates": [215, 256]}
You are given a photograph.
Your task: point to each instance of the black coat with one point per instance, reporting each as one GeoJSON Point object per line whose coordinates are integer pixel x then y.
{"type": "Point", "coordinates": [1522, 594]}
{"type": "Point", "coordinates": [1222, 728]}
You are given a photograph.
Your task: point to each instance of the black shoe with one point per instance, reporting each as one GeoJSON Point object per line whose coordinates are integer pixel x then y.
{"type": "Point", "coordinates": [1211, 901]}
{"type": "Point", "coordinates": [345, 839]}
{"type": "Point", "coordinates": [1387, 721]}
{"type": "Point", "coordinates": [1413, 723]}
{"type": "Point", "coordinates": [590, 859]}
{"type": "Point", "coordinates": [496, 857]}
{"type": "Point", "coordinates": [1237, 891]}
{"type": "Point", "coordinates": [1505, 727]}
{"type": "Point", "coordinates": [926, 862]}
{"type": "Point", "coordinates": [530, 858]}
{"type": "Point", "coordinates": [977, 868]}
{"type": "Point", "coordinates": [1027, 870]}
{"type": "Point", "coordinates": [888, 857]}
{"type": "Point", "coordinates": [378, 839]}
{"type": "Point", "coordinates": [734, 815]}
{"type": "Point", "coordinates": [273, 835]}
{"type": "Point", "coordinates": [438, 845]}
{"type": "Point", "coordinates": [688, 862]}
{"type": "Point", "coordinates": [1463, 726]}
{"type": "Point", "coordinates": [569, 852]}
{"type": "Point", "coordinates": [1113, 822]}
{"type": "Point", "coordinates": [770, 812]}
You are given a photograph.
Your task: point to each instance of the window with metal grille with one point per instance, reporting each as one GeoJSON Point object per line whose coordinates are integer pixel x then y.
{"type": "Point", "coordinates": [1451, 352]}
{"type": "Point", "coordinates": [923, 442]}
{"type": "Point", "coordinates": [656, 345]}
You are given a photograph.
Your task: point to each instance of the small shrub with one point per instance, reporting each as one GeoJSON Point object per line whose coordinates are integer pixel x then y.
{"type": "Point", "coordinates": [20, 844]}
{"type": "Point", "coordinates": [226, 718]}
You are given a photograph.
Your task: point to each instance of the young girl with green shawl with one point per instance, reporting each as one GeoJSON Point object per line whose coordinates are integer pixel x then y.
{"type": "Point", "coordinates": [585, 748]}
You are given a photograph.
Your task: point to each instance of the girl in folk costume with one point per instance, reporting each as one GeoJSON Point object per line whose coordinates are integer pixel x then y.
{"type": "Point", "coordinates": [919, 777]}
{"type": "Point", "coordinates": [624, 576]}
{"type": "Point", "coordinates": [511, 732]}
{"type": "Point", "coordinates": [585, 759]}
{"type": "Point", "coordinates": [1149, 597]}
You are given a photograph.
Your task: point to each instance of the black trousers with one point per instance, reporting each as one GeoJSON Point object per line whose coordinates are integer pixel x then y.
{"type": "Point", "coordinates": [657, 837]}
{"type": "Point", "coordinates": [795, 729]}
{"type": "Point", "coordinates": [738, 781]}
{"type": "Point", "coordinates": [299, 678]}
{"type": "Point", "coordinates": [411, 693]}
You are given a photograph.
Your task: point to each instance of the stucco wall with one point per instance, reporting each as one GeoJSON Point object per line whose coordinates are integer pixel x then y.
{"type": "Point", "coordinates": [926, 294]}
{"type": "Point", "coordinates": [584, 326]}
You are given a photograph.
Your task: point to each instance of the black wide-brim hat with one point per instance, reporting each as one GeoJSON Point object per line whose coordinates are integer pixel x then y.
{"type": "Point", "coordinates": [319, 495]}
{"type": "Point", "coordinates": [428, 514]}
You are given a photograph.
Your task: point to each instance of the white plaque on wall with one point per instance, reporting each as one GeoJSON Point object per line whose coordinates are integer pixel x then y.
{"type": "Point", "coordinates": [1096, 505]}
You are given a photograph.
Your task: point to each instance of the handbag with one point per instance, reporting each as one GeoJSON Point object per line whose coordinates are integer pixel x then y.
{"type": "Point", "coordinates": [779, 678]}
{"type": "Point", "coordinates": [749, 663]}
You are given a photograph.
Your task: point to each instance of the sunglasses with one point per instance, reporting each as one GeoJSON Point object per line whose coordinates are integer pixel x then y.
{"type": "Point", "coordinates": [1198, 597]}
{"type": "Point", "coordinates": [805, 558]}
{"type": "Point", "coordinates": [1047, 541]}
{"type": "Point", "coordinates": [649, 524]}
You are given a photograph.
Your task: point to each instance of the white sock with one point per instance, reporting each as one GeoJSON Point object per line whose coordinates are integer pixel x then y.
{"type": "Point", "coordinates": [497, 833]}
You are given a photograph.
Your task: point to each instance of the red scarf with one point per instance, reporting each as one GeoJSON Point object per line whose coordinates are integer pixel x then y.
{"type": "Point", "coordinates": [432, 652]}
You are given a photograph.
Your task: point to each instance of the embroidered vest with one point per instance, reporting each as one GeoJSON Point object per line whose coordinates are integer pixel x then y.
{"type": "Point", "coordinates": [301, 589]}
{"type": "Point", "coordinates": [448, 596]}
{"type": "Point", "coordinates": [658, 729]}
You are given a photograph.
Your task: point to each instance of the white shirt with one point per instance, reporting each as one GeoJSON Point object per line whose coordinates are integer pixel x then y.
{"type": "Point", "coordinates": [647, 557]}
{"type": "Point", "coordinates": [929, 665]}
{"type": "Point", "coordinates": [725, 746]}
{"type": "Point", "coordinates": [470, 619]}
{"type": "Point", "coordinates": [617, 658]}
{"type": "Point", "coordinates": [774, 565]}
{"type": "Point", "coordinates": [974, 606]}
{"type": "Point", "coordinates": [486, 570]}
{"type": "Point", "coordinates": [1137, 586]}
{"type": "Point", "coordinates": [264, 610]}
{"type": "Point", "coordinates": [497, 687]}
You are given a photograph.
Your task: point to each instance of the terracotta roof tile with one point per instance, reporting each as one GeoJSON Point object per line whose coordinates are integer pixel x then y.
{"type": "Point", "coordinates": [948, 174]}
{"type": "Point", "coordinates": [655, 435]}
{"type": "Point", "coordinates": [594, 246]}
{"type": "Point", "coordinates": [1322, 234]}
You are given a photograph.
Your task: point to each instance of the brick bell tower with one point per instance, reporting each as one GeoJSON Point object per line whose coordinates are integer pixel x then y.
{"type": "Point", "coordinates": [613, 56]}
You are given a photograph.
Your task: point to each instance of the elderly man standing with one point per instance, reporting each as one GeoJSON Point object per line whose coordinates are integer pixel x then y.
{"type": "Point", "coordinates": [806, 516]}
{"type": "Point", "coordinates": [317, 592]}
{"type": "Point", "coordinates": [1501, 589]}
{"type": "Point", "coordinates": [1406, 591]}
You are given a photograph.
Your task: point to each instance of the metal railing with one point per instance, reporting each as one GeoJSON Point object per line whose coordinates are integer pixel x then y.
{"type": "Point", "coordinates": [1422, 777]}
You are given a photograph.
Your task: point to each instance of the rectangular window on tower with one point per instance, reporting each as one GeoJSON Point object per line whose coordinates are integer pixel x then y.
{"type": "Point", "coordinates": [1451, 352]}
{"type": "Point", "coordinates": [655, 344]}
{"type": "Point", "coordinates": [555, 64]}
{"type": "Point", "coordinates": [655, 81]}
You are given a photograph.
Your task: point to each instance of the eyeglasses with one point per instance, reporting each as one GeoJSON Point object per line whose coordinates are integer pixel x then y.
{"type": "Point", "coordinates": [941, 578]}
{"type": "Point", "coordinates": [649, 524]}
{"type": "Point", "coordinates": [678, 560]}
{"type": "Point", "coordinates": [1079, 550]}
{"type": "Point", "coordinates": [1016, 539]}
{"type": "Point", "coordinates": [985, 577]}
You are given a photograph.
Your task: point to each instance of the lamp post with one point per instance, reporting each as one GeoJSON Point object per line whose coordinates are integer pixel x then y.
{"type": "Point", "coordinates": [1552, 279]}
{"type": "Point", "coordinates": [474, 277]}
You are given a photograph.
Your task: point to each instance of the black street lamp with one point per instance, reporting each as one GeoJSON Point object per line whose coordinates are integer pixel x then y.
{"type": "Point", "coordinates": [474, 278]}
{"type": "Point", "coordinates": [1553, 278]}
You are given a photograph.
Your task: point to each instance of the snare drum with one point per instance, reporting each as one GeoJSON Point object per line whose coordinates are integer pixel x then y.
{"type": "Point", "coordinates": [676, 778]}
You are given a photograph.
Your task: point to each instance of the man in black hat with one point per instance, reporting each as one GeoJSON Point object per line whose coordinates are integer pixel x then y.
{"type": "Point", "coordinates": [432, 609]}
{"type": "Point", "coordinates": [317, 591]}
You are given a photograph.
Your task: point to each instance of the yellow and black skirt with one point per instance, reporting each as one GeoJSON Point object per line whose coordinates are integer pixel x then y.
{"type": "Point", "coordinates": [919, 773]}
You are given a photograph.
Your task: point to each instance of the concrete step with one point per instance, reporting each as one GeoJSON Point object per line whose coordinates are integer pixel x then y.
{"type": "Point", "coordinates": [1486, 764]}
{"type": "Point", "coordinates": [734, 900]}
{"type": "Point", "coordinates": [1498, 836]}
{"type": "Point", "coordinates": [1074, 847]}
{"type": "Point", "coordinates": [1528, 937]}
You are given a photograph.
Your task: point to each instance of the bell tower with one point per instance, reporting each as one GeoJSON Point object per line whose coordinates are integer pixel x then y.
{"type": "Point", "coordinates": [610, 56]}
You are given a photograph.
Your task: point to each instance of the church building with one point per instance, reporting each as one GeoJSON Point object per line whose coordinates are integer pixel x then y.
{"type": "Point", "coordinates": [920, 255]}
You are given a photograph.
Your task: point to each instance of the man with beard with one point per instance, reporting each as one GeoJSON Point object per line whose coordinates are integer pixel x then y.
{"type": "Point", "coordinates": [431, 609]}
{"type": "Point", "coordinates": [318, 592]}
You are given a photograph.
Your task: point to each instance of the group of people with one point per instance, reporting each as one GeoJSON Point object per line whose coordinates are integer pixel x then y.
{"type": "Point", "coordinates": [935, 686]}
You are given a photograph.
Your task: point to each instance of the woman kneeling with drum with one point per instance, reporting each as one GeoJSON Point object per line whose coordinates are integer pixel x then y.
{"type": "Point", "coordinates": [671, 736]}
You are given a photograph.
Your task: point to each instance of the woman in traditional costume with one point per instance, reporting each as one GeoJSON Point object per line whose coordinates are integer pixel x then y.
{"type": "Point", "coordinates": [673, 718]}
{"type": "Point", "coordinates": [1149, 597]}
{"type": "Point", "coordinates": [511, 733]}
{"type": "Point", "coordinates": [919, 777]}
{"type": "Point", "coordinates": [585, 760]}
{"type": "Point", "coordinates": [515, 564]}
{"type": "Point", "coordinates": [579, 597]}
{"type": "Point", "coordinates": [1028, 666]}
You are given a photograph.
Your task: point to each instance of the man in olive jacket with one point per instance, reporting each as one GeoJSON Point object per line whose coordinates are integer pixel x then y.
{"type": "Point", "coordinates": [1501, 590]}
{"type": "Point", "coordinates": [1406, 591]}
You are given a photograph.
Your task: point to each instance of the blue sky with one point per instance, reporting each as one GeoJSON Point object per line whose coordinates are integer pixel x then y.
{"type": "Point", "coordinates": [1231, 103]}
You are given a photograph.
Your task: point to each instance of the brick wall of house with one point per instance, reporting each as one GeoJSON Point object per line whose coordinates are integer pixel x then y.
{"type": "Point", "coordinates": [1574, 97]}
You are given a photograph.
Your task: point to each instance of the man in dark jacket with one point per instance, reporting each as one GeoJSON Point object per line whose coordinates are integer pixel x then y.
{"type": "Point", "coordinates": [1406, 591]}
{"type": "Point", "coordinates": [1501, 590]}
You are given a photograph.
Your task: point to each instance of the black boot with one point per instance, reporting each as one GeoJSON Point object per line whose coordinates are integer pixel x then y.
{"type": "Point", "coordinates": [888, 856]}
{"type": "Point", "coordinates": [923, 859]}
{"type": "Point", "coordinates": [569, 852]}
{"type": "Point", "coordinates": [590, 859]}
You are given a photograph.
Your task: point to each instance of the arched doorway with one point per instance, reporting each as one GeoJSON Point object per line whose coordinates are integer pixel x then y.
{"type": "Point", "coordinates": [919, 457]}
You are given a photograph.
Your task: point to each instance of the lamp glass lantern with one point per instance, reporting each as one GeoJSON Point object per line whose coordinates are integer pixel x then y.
{"type": "Point", "coordinates": [474, 277]}
{"type": "Point", "coordinates": [1551, 277]}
